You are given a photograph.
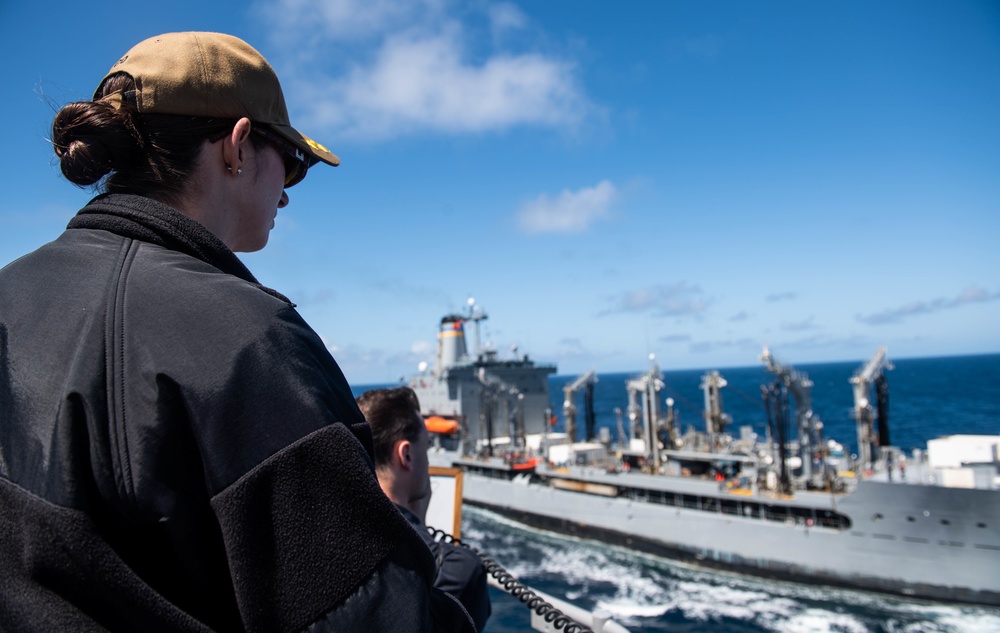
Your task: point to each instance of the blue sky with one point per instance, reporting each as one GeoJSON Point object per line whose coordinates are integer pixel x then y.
{"type": "Point", "coordinates": [690, 179]}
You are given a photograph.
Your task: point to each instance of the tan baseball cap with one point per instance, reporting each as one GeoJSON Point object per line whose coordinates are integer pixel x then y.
{"type": "Point", "coordinates": [211, 75]}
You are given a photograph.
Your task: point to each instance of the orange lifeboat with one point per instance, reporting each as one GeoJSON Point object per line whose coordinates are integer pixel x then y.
{"type": "Point", "coordinates": [528, 464]}
{"type": "Point", "coordinates": [443, 426]}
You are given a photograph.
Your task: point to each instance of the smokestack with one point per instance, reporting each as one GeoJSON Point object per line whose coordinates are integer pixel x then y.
{"type": "Point", "coordinates": [451, 342]}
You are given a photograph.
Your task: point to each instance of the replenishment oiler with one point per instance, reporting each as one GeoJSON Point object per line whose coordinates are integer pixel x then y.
{"type": "Point", "coordinates": [790, 505]}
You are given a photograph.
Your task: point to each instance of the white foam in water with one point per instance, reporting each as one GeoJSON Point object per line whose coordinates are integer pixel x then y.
{"type": "Point", "coordinates": [643, 592]}
{"type": "Point", "coordinates": [640, 590]}
{"type": "Point", "coordinates": [708, 602]}
{"type": "Point", "coordinates": [637, 594]}
{"type": "Point", "coordinates": [957, 622]}
{"type": "Point", "coordinates": [628, 613]}
{"type": "Point", "coordinates": [980, 624]}
{"type": "Point", "coordinates": [820, 621]}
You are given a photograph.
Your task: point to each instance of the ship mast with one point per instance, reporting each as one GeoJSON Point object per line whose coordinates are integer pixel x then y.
{"type": "Point", "coordinates": [647, 387]}
{"type": "Point", "coordinates": [864, 413]}
{"type": "Point", "coordinates": [493, 391]}
{"type": "Point", "coordinates": [715, 419]}
{"type": "Point", "coordinates": [569, 409]}
{"type": "Point", "coordinates": [810, 429]}
{"type": "Point", "coordinates": [476, 314]}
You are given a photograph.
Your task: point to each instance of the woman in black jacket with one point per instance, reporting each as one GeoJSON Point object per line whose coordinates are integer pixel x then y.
{"type": "Point", "coordinates": [178, 450]}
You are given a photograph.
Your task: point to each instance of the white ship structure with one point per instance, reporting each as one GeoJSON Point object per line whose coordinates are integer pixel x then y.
{"type": "Point", "coordinates": [789, 505]}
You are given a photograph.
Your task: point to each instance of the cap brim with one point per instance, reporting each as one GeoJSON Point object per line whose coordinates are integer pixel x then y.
{"type": "Point", "coordinates": [317, 152]}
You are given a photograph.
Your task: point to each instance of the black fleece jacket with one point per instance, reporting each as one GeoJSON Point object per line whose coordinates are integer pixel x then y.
{"type": "Point", "coordinates": [179, 451]}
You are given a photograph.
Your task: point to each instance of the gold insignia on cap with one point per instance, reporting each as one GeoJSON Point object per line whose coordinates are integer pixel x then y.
{"type": "Point", "coordinates": [313, 144]}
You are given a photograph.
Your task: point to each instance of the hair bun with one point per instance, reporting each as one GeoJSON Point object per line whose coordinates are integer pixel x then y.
{"type": "Point", "coordinates": [91, 139]}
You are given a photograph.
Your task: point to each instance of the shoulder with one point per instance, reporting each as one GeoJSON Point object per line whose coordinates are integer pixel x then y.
{"type": "Point", "coordinates": [72, 253]}
{"type": "Point", "coordinates": [222, 336]}
{"type": "Point", "coordinates": [187, 296]}
{"type": "Point", "coordinates": [170, 274]}
{"type": "Point", "coordinates": [462, 560]}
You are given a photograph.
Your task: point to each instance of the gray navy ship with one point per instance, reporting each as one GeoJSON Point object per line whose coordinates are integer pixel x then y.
{"type": "Point", "coordinates": [790, 505]}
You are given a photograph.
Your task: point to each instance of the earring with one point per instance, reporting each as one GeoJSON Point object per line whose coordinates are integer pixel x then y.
{"type": "Point", "coordinates": [239, 171]}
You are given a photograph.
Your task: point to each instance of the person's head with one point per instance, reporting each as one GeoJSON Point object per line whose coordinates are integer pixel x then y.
{"type": "Point", "coordinates": [401, 443]}
{"type": "Point", "coordinates": [183, 115]}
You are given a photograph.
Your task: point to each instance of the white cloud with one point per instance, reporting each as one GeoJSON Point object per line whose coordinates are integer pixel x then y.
{"type": "Point", "coordinates": [702, 347]}
{"type": "Point", "coordinates": [422, 348]}
{"type": "Point", "coordinates": [294, 22]}
{"type": "Point", "coordinates": [823, 341]}
{"type": "Point", "coordinates": [505, 16]}
{"type": "Point", "coordinates": [330, 346]}
{"type": "Point", "coordinates": [680, 299]}
{"type": "Point", "coordinates": [675, 338]}
{"type": "Point", "coordinates": [569, 212]}
{"type": "Point", "coordinates": [780, 296]}
{"type": "Point", "coordinates": [972, 294]}
{"type": "Point", "coordinates": [807, 323]}
{"type": "Point", "coordinates": [378, 70]}
{"type": "Point", "coordinates": [425, 84]}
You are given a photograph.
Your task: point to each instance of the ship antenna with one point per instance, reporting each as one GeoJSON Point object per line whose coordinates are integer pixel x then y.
{"type": "Point", "coordinates": [476, 315]}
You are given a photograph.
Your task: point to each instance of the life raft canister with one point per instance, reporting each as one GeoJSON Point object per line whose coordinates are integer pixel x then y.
{"type": "Point", "coordinates": [441, 425]}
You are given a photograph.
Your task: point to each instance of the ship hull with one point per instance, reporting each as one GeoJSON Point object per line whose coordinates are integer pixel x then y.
{"type": "Point", "coordinates": [916, 541]}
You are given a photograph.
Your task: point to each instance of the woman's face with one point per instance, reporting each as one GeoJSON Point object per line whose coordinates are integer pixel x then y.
{"type": "Point", "coordinates": [261, 195]}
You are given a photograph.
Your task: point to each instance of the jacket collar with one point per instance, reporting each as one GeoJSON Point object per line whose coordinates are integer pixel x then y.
{"type": "Point", "coordinates": [147, 220]}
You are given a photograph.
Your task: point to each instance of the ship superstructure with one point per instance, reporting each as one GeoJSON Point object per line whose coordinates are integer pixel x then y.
{"type": "Point", "coordinates": [487, 395]}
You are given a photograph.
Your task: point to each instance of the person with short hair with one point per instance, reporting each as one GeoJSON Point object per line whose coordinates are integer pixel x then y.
{"type": "Point", "coordinates": [401, 464]}
{"type": "Point", "coordinates": [178, 449]}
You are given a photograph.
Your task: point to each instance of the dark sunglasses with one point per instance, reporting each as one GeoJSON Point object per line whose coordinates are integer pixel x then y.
{"type": "Point", "coordinates": [296, 161]}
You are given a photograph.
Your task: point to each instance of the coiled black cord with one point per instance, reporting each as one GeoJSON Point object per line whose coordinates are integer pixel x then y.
{"type": "Point", "coordinates": [511, 585]}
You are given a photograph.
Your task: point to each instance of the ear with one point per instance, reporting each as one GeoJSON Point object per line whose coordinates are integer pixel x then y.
{"type": "Point", "coordinates": [404, 454]}
{"type": "Point", "coordinates": [235, 144]}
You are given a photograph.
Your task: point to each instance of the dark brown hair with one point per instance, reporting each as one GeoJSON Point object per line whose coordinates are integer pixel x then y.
{"type": "Point", "coordinates": [118, 150]}
{"type": "Point", "coordinates": [393, 414]}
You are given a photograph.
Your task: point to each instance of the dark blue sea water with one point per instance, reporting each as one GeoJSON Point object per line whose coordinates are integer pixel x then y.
{"type": "Point", "coordinates": [928, 398]}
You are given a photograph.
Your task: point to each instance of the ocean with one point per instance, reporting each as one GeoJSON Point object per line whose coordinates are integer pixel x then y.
{"type": "Point", "coordinates": [928, 398]}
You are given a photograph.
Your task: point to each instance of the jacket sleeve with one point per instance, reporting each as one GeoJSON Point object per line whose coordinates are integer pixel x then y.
{"type": "Point", "coordinates": [312, 542]}
{"type": "Point", "coordinates": [285, 456]}
{"type": "Point", "coordinates": [461, 574]}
